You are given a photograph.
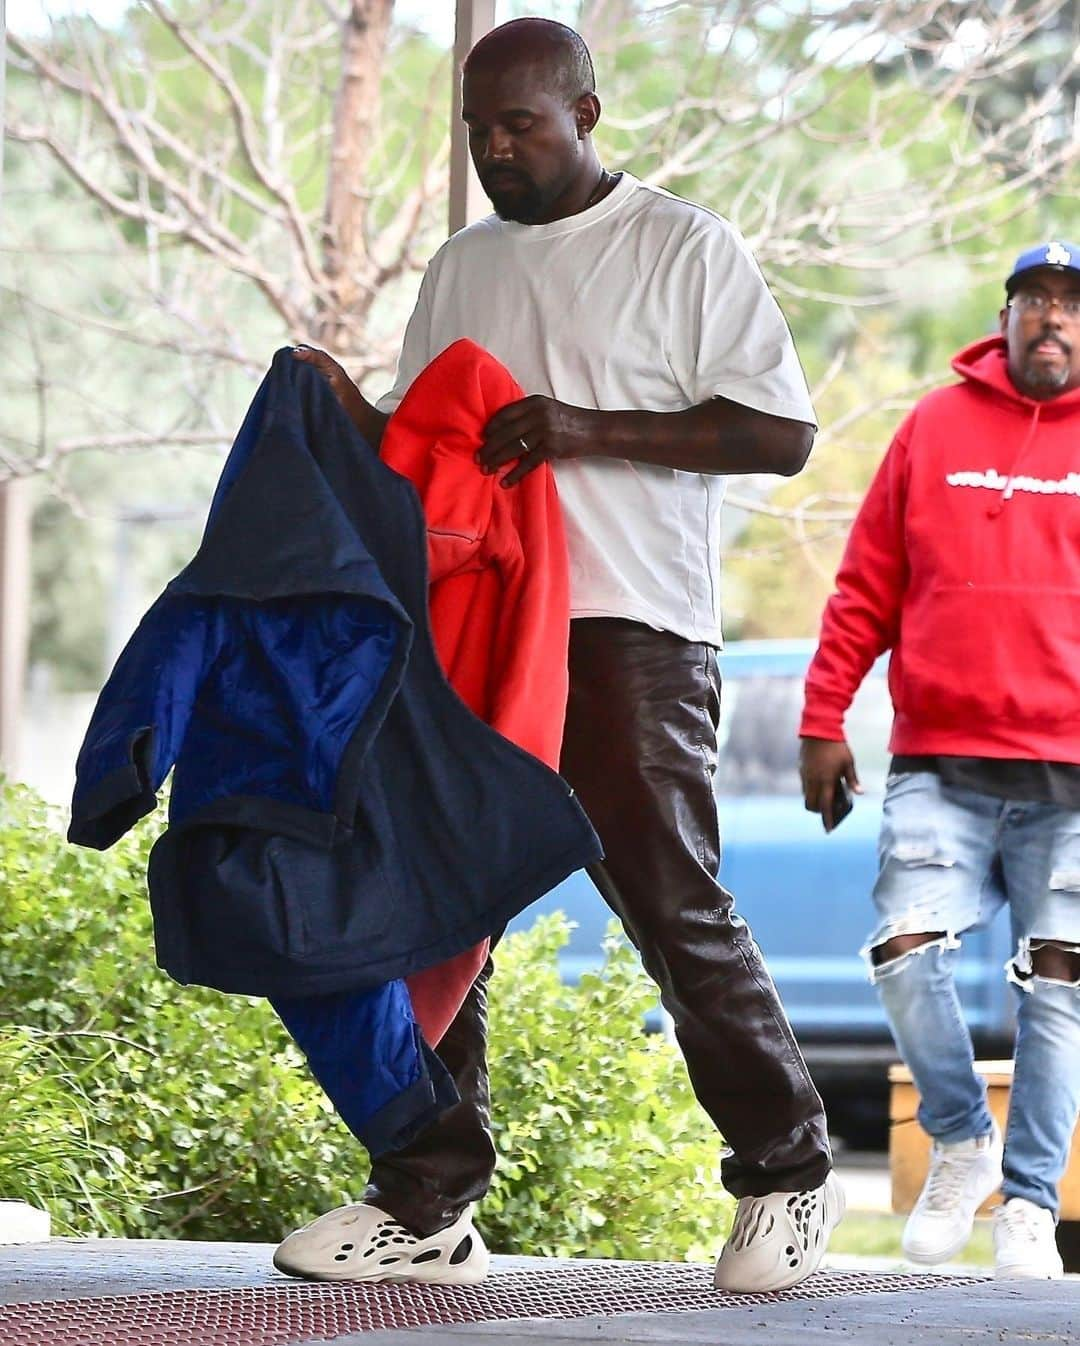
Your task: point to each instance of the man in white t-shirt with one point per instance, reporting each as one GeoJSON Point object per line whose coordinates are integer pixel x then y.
{"type": "Point", "coordinates": [657, 364]}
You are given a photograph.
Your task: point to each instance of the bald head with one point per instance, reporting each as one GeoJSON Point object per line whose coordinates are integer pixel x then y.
{"type": "Point", "coordinates": [528, 101]}
{"type": "Point", "coordinates": [551, 47]}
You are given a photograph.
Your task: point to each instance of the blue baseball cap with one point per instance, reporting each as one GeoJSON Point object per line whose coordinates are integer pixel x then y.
{"type": "Point", "coordinates": [1058, 256]}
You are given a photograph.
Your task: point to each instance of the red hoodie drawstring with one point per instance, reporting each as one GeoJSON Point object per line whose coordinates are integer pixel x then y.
{"type": "Point", "coordinates": [1006, 494]}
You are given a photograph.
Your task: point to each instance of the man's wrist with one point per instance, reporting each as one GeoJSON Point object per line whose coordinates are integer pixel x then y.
{"type": "Point", "coordinates": [368, 419]}
{"type": "Point", "coordinates": [616, 434]}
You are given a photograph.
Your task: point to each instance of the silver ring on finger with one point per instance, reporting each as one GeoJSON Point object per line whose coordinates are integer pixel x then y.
{"type": "Point", "coordinates": [524, 447]}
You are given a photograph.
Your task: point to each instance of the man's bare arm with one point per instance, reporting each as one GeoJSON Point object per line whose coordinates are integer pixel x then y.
{"type": "Point", "coordinates": [715, 437]}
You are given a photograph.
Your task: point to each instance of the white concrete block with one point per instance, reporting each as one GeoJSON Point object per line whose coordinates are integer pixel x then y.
{"type": "Point", "coordinates": [23, 1223]}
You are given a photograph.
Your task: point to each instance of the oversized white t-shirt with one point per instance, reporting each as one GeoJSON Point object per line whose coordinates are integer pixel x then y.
{"type": "Point", "coordinates": [642, 302]}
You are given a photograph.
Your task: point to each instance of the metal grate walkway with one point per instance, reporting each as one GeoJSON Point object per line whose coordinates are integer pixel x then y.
{"type": "Point", "coordinates": [297, 1313]}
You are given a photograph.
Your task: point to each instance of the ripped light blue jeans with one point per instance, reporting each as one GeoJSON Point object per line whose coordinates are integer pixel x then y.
{"type": "Point", "coordinates": [949, 860]}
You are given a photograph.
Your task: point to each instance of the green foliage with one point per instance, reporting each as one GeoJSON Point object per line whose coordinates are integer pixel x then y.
{"type": "Point", "coordinates": [133, 1106]}
{"type": "Point", "coordinates": [603, 1149]}
{"type": "Point", "coordinates": [48, 1153]}
{"type": "Point", "coordinates": [874, 1234]}
{"type": "Point", "coordinates": [222, 1132]}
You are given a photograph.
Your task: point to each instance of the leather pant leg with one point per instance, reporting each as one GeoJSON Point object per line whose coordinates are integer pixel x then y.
{"type": "Point", "coordinates": [640, 750]}
{"type": "Point", "coordinates": [426, 1185]}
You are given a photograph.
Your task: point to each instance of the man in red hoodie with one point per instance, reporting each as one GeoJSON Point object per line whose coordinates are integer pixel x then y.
{"type": "Point", "coordinates": [964, 561]}
{"type": "Point", "coordinates": [656, 363]}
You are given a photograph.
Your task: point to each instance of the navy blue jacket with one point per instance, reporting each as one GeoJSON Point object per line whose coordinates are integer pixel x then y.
{"type": "Point", "coordinates": [338, 817]}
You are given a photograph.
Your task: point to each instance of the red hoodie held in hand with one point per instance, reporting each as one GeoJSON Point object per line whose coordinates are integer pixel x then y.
{"type": "Point", "coordinates": [499, 586]}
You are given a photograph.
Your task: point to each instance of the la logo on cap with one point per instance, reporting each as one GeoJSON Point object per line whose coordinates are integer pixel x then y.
{"type": "Point", "coordinates": [1058, 255]}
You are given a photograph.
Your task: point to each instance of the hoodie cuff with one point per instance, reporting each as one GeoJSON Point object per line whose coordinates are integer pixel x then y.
{"type": "Point", "coordinates": [821, 723]}
{"type": "Point", "coordinates": [101, 814]}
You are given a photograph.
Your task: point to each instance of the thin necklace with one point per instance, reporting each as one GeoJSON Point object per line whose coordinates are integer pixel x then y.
{"type": "Point", "coordinates": [605, 178]}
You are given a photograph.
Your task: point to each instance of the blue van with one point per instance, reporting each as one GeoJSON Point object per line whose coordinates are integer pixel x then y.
{"type": "Point", "coordinates": [805, 894]}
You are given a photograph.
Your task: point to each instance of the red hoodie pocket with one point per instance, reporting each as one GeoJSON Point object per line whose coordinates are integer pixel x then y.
{"type": "Point", "coordinates": [991, 652]}
{"type": "Point", "coordinates": [457, 505]}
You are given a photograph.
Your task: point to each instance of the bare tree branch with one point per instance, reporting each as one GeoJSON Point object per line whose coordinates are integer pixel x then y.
{"type": "Point", "coordinates": [276, 186]}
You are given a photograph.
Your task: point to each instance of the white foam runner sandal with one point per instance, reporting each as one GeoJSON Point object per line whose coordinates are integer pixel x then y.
{"type": "Point", "coordinates": [363, 1243]}
{"type": "Point", "coordinates": [778, 1240]}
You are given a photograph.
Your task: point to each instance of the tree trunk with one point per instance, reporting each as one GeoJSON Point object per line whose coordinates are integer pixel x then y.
{"type": "Point", "coordinates": [356, 114]}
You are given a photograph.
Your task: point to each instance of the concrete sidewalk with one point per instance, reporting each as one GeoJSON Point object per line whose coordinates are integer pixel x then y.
{"type": "Point", "coordinates": [138, 1292]}
{"type": "Point", "coordinates": [987, 1313]}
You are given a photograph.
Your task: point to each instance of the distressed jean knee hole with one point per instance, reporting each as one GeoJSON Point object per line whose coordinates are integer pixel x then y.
{"type": "Point", "coordinates": [889, 967]}
{"type": "Point", "coordinates": [1026, 968]}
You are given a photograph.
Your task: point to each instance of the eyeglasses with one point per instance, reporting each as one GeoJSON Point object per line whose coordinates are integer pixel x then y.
{"type": "Point", "coordinates": [1028, 301]}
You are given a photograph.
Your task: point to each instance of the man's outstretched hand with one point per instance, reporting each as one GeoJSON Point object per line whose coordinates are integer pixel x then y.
{"type": "Point", "coordinates": [823, 763]}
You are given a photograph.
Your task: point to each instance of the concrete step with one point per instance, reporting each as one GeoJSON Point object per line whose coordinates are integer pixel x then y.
{"type": "Point", "coordinates": [23, 1223]}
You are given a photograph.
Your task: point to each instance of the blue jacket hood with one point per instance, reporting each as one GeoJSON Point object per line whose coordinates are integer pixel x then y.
{"type": "Point", "coordinates": [338, 817]}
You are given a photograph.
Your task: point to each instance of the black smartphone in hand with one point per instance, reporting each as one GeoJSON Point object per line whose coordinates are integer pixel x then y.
{"type": "Point", "coordinates": [842, 804]}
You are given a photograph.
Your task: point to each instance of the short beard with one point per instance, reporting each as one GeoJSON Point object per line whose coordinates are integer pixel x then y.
{"type": "Point", "coordinates": [523, 207]}
{"type": "Point", "coordinates": [1039, 376]}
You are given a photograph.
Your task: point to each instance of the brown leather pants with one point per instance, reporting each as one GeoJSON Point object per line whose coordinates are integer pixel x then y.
{"type": "Point", "coordinates": [640, 750]}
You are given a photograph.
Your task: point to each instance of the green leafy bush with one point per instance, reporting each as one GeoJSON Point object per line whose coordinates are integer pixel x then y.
{"type": "Point", "coordinates": [48, 1151]}
{"type": "Point", "coordinates": [178, 1112]}
{"type": "Point", "coordinates": [223, 1132]}
{"type": "Point", "coordinates": [603, 1150]}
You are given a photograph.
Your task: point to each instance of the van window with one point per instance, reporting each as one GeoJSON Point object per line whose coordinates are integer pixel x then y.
{"type": "Point", "coordinates": [759, 745]}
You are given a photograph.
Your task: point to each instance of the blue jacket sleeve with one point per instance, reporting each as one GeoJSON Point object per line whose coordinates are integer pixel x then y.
{"type": "Point", "coordinates": [141, 717]}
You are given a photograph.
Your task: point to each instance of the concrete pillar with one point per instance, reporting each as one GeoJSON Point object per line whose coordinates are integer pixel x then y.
{"type": "Point", "coordinates": [14, 548]}
{"type": "Point", "coordinates": [14, 613]}
{"type": "Point", "coordinates": [467, 199]}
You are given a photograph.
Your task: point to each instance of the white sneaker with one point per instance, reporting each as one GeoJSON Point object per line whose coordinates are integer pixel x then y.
{"type": "Point", "coordinates": [362, 1243]}
{"type": "Point", "coordinates": [961, 1177]}
{"type": "Point", "coordinates": [1024, 1243]}
{"type": "Point", "coordinates": [778, 1240]}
